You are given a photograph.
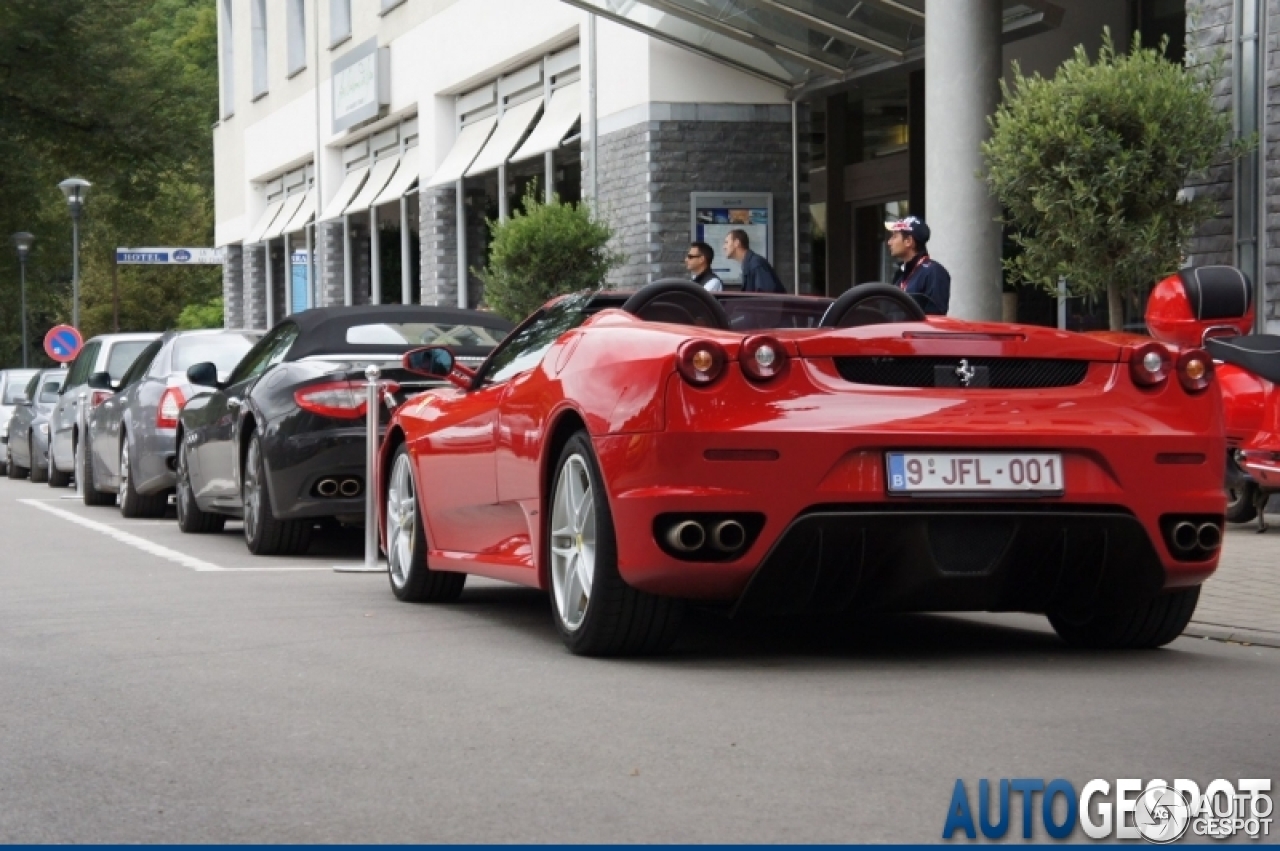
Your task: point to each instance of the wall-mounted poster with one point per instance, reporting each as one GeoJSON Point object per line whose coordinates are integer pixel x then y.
{"type": "Point", "coordinates": [714, 214]}
{"type": "Point", "coordinates": [298, 291]}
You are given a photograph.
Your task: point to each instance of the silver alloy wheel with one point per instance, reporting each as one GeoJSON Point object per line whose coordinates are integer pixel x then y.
{"type": "Point", "coordinates": [573, 542]}
{"type": "Point", "coordinates": [252, 492]}
{"type": "Point", "coordinates": [401, 521]}
{"type": "Point", "coordinates": [124, 470]}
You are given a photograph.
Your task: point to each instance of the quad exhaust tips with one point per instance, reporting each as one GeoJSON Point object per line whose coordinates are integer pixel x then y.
{"type": "Point", "coordinates": [1192, 540]}
{"type": "Point", "coordinates": [330, 487]}
{"type": "Point", "coordinates": [707, 537]}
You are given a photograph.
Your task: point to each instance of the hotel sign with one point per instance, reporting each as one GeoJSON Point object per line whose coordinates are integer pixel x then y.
{"type": "Point", "coordinates": [361, 84]}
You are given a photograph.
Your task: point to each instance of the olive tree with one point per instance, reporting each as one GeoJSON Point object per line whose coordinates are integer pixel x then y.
{"type": "Point", "coordinates": [1088, 166]}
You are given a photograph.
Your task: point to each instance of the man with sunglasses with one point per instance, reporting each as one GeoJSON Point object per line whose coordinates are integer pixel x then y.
{"type": "Point", "coordinates": [698, 261]}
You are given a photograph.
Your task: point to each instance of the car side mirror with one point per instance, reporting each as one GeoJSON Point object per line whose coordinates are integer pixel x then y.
{"type": "Point", "coordinates": [100, 381]}
{"type": "Point", "coordinates": [203, 374]}
{"type": "Point", "coordinates": [438, 362]}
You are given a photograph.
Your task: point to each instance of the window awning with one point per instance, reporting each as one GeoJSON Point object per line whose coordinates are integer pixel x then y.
{"type": "Point", "coordinates": [287, 212]}
{"type": "Point", "coordinates": [564, 108]}
{"type": "Point", "coordinates": [463, 153]}
{"type": "Point", "coordinates": [802, 44]}
{"type": "Point", "coordinates": [502, 144]}
{"type": "Point", "coordinates": [402, 180]}
{"type": "Point", "coordinates": [306, 212]}
{"type": "Point", "coordinates": [350, 186]}
{"type": "Point", "coordinates": [264, 221]}
{"type": "Point", "coordinates": [378, 177]}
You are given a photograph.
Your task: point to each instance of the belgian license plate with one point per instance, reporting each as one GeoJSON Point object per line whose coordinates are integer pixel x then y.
{"type": "Point", "coordinates": [975, 472]}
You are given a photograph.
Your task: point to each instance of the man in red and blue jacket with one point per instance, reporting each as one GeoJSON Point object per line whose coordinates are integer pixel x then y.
{"type": "Point", "coordinates": [918, 275]}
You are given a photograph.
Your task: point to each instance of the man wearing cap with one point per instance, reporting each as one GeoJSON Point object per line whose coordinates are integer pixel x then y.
{"type": "Point", "coordinates": [918, 275]}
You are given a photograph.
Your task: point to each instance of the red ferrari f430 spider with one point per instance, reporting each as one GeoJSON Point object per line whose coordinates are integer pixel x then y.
{"type": "Point", "coordinates": [634, 453]}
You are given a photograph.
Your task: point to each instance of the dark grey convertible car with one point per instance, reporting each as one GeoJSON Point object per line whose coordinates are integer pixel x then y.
{"type": "Point", "coordinates": [281, 442]}
{"type": "Point", "coordinates": [131, 434]}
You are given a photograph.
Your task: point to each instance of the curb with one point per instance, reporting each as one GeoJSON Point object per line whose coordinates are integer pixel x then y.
{"type": "Point", "coordinates": [1258, 637]}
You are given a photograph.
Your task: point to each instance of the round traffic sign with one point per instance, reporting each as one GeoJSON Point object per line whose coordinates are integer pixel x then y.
{"type": "Point", "coordinates": [63, 343]}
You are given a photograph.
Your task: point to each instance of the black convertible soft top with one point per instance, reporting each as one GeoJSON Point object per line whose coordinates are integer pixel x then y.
{"type": "Point", "coordinates": [323, 330]}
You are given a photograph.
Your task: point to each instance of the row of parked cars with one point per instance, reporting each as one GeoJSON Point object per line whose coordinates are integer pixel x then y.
{"type": "Point", "coordinates": [267, 427]}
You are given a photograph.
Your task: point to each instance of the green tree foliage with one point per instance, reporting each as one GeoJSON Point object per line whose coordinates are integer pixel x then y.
{"type": "Point", "coordinates": [1088, 166]}
{"type": "Point", "coordinates": [207, 315]}
{"type": "Point", "coordinates": [542, 251]}
{"type": "Point", "coordinates": [122, 93]}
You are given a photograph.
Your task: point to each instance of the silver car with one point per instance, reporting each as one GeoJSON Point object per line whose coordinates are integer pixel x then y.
{"type": "Point", "coordinates": [29, 426]}
{"type": "Point", "coordinates": [110, 353]}
{"type": "Point", "coordinates": [131, 436]}
{"type": "Point", "coordinates": [13, 384]}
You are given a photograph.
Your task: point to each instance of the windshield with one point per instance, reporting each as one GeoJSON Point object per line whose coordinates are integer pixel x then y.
{"type": "Point", "coordinates": [424, 334]}
{"type": "Point", "coordinates": [123, 355]}
{"type": "Point", "coordinates": [16, 385]}
{"type": "Point", "coordinates": [223, 350]}
{"type": "Point", "coordinates": [49, 389]}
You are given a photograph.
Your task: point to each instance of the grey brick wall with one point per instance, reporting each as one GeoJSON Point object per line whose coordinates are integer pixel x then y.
{"type": "Point", "coordinates": [1209, 35]}
{"type": "Point", "coordinates": [361, 276]}
{"type": "Point", "coordinates": [279, 280]}
{"type": "Point", "coordinates": [233, 287]}
{"type": "Point", "coordinates": [648, 170]}
{"type": "Point", "coordinates": [255, 286]}
{"type": "Point", "coordinates": [1271, 144]}
{"type": "Point", "coordinates": [328, 240]}
{"type": "Point", "coordinates": [438, 246]}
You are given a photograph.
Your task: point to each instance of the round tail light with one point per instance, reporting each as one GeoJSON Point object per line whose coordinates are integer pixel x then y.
{"type": "Point", "coordinates": [1195, 370]}
{"type": "Point", "coordinates": [1150, 365]}
{"type": "Point", "coordinates": [762, 358]}
{"type": "Point", "coordinates": [700, 362]}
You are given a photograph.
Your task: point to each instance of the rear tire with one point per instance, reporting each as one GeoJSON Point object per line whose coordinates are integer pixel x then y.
{"type": "Point", "coordinates": [191, 519]}
{"type": "Point", "coordinates": [12, 470]}
{"type": "Point", "coordinates": [91, 494]}
{"type": "Point", "coordinates": [263, 533]}
{"type": "Point", "coordinates": [595, 611]}
{"type": "Point", "coordinates": [411, 580]}
{"type": "Point", "coordinates": [39, 472]}
{"type": "Point", "coordinates": [55, 478]}
{"type": "Point", "coordinates": [132, 503]}
{"type": "Point", "coordinates": [1242, 502]}
{"type": "Point", "coordinates": [1153, 623]}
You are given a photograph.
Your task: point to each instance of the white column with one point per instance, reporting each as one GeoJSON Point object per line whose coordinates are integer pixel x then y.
{"type": "Point", "coordinates": [962, 61]}
{"type": "Point", "coordinates": [375, 265]}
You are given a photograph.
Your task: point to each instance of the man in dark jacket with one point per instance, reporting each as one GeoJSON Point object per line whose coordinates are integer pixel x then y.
{"type": "Point", "coordinates": [757, 275]}
{"type": "Point", "coordinates": [918, 275]}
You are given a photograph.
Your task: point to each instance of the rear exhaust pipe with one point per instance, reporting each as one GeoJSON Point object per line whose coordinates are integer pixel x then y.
{"type": "Point", "coordinates": [1209, 536]}
{"type": "Point", "coordinates": [1185, 537]}
{"type": "Point", "coordinates": [350, 487]}
{"type": "Point", "coordinates": [686, 536]}
{"type": "Point", "coordinates": [728, 536]}
{"type": "Point", "coordinates": [327, 487]}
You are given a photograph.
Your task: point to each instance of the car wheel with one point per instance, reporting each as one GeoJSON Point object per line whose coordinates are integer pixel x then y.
{"type": "Point", "coordinates": [39, 472]}
{"type": "Point", "coordinates": [191, 519]}
{"type": "Point", "coordinates": [411, 579]}
{"type": "Point", "coordinates": [12, 470]}
{"type": "Point", "coordinates": [263, 533]}
{"type": "Point", "coordinates": [595, 611]}
{"type": "Point", "coordinates": [1153, 623]}
{"type": "Point", "coordinates": [90, 492]}
{"type": "Point", "coordinates": [1242, 502]}
{"type": "Point", "coordinates": [132, 503]}
{"type": "Point", "coordinates": [55, 478]}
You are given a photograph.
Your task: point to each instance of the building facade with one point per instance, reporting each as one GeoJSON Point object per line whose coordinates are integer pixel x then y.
{"type": "Point", "coordinates": [364, 145]}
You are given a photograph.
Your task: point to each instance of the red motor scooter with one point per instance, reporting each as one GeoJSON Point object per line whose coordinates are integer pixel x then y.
{"type": "Point", "coordinates": [1212, 307]}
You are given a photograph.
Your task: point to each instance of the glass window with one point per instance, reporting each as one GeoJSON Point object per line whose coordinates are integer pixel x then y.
{"type": "Point", "coordinates": [269, 351]}
{"type": "Point", "coordinates": [222, 350]}
{"type": "Point", "coordinates": [296, 27]}
{"type": "Point", "coordinates": [339, 21]}
{"type": "Point", "coordinates": [49, 390]}
{"type": "Point", "coordinates": [140, 364]}
{"type": "Point", "coordinates": [424, 334]}
{"type": "Point", "coordinates": [83, 364]}
{"type": "Point", "coordinates": [122, 355]}
{"type": "Point", "coordinates": [15, 386]}
{"type": "Point", "coordinates": [227, 56]}
{"type": "Point", "coordinates": [260, 78]}
{"type": "Point", "coordinates": [524, 348]}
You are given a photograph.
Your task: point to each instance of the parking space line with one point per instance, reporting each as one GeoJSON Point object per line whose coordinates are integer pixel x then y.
{"type": "Point", "coordinates": [198, 565]}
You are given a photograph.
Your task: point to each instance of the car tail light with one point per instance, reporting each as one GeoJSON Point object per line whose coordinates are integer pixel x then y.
{"type": "Point", "coordinates": [341, 400]}
{"type": "Point", "coordinates": [762, 358]}
{"type": "Point", "coordinates": [1195, 370]}
{"type": "Point", "coordinates": [1150, 365]}
{"type": "Point", "coordinates": [97, 397]}
{"type": "Point", "coordinates": [700, 362]}
{"type": "Point", "coordinates": [170, 406]}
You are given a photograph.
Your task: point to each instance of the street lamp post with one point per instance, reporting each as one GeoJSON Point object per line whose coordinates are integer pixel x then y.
{"type": "Point", "coordinates": [22, 241]}
{"type": "Point", "coordinates": [75, 189]}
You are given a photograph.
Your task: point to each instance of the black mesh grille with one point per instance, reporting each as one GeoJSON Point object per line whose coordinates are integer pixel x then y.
{"type": "Point", "coordinates": [998, 373]}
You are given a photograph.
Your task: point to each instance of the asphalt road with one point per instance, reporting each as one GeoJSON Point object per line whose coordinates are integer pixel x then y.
{"type": "Point", "coordinates": [156, 687]}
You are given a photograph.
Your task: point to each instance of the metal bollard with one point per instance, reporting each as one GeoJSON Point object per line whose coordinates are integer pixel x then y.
{"type": "Point", "coordinates": [373, 406]}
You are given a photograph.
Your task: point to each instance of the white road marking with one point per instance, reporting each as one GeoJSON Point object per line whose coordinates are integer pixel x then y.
{"type": "Point", "coordinates": [198, 565]}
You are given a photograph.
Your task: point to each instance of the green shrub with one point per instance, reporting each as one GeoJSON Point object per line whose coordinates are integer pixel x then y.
{"type": "Point", "coordinates": [1088, 166]}
{"type": "Point", "coordinates": [207, 315]}
{"type": "Point", "coordinates": [542, 251]}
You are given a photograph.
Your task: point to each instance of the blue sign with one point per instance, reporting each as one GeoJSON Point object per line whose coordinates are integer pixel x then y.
{"type": "Point", "coordinates": [142, 257]}
{"type": "Point", "coordinates": [182, 255]}
{"type": "Point", "coordinates": [301, 294]}
{"type": "Point", "coordinates": [63, 343]}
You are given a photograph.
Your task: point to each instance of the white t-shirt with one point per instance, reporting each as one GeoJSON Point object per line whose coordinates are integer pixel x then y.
{"type": "Point", "coordinates": [713, 284]}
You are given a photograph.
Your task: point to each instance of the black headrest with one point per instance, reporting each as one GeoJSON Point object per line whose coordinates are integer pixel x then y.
{"type": "Point", "coordinates": [1217, 292]}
